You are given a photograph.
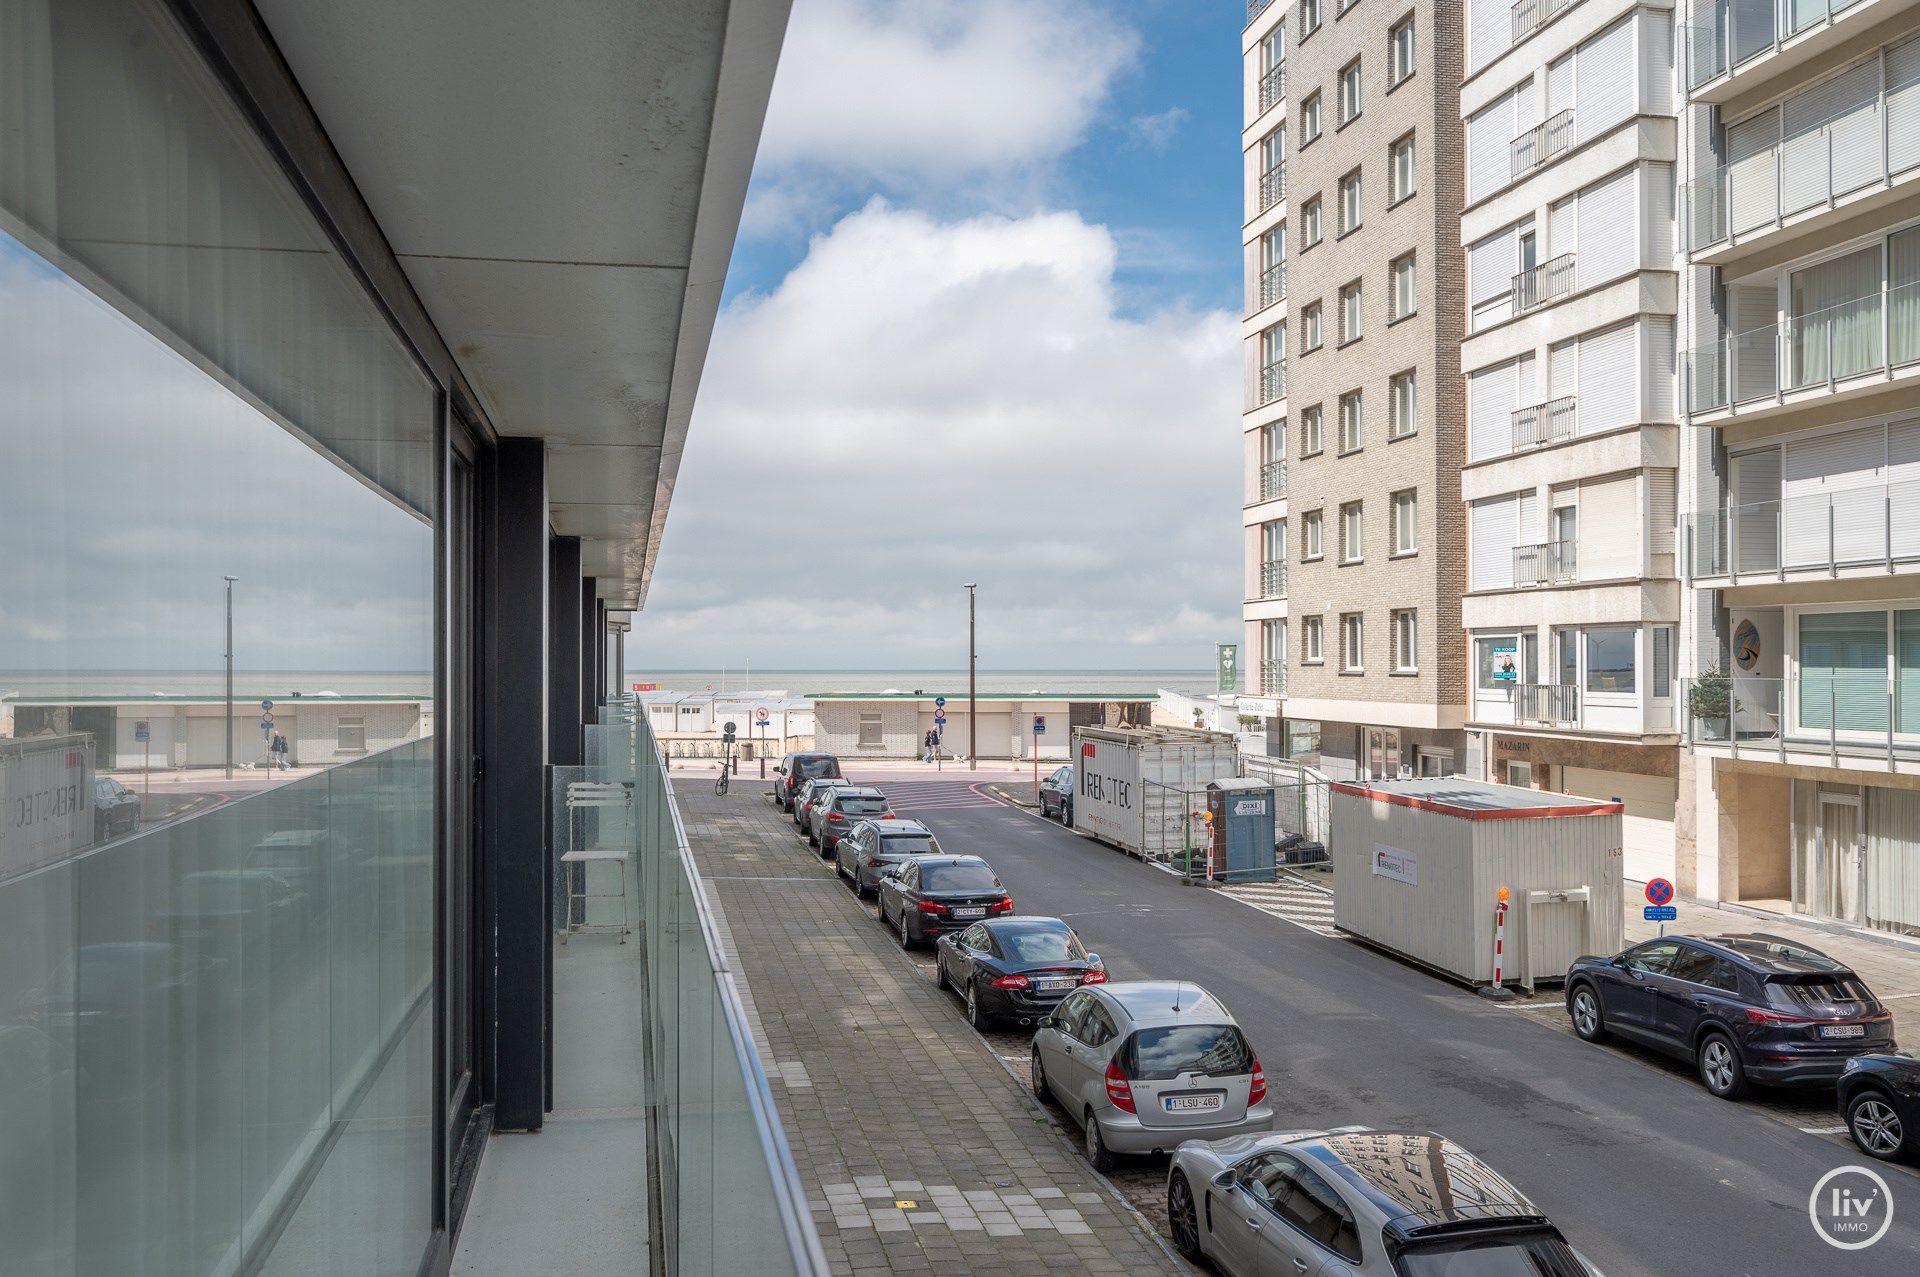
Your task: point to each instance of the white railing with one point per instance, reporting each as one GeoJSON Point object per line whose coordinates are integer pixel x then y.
{"type": "Point", "coordinates": [1273, 579]}
{"type": "Point", "coordinates": [1544, 423]}
{"type": "Point", "coordinates": [1273, 186]}
{"type": "Point", "coordinates": [1273, 383]}
{"type": "Point", "coordinates": [1542, 142]}
{"type": "Point", "coordinates": [1544, 283]}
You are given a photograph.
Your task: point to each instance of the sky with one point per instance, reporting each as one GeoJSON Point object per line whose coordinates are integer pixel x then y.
{"type": "Point", "coordinates": [981, 325]}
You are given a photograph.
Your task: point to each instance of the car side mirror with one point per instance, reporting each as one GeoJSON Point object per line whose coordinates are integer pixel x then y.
{"type": "Point", "coordinates": [1226, 1179]}
{"type": "Point", "coordinates": [1045, 1022]}
{"type": "Point", "coordinates": [1619, 961]}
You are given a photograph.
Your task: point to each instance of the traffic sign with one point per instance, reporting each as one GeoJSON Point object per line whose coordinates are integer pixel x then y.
{"type": "Point", "coordinates": [760, 715]}
{"type": "Point", "coordinates": [1659, 913]}
{"type": "Point", "coordinates": [1039, 724]}
{"type": "Point", "coordinates": [142, 730]}
{"type": "Point", "coordinates": [939, 702]}
{"type": "Point", "coordinates": [1659, 891]}
{"type": "Point", "coordinates": [266, 720]}
{"type": "Point", "coordinates": [939, 720]}
{"type": "Point", "coordinates": [266, 705]}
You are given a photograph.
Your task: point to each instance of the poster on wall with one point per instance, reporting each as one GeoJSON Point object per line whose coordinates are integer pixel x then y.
{"type": "Point", "coordinates": [1505, 668]}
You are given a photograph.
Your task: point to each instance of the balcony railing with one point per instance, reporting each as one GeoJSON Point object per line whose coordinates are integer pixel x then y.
{"type": "Point", "coordinates": [1868, 335]}
{"type": "Point", "coordinates": [1544, 283]}
{"type": "Point", "coordinates": [1557, 703]}
{"type": "Point", "coordinates": [1835, 712]}
{"type": "Point", "coordinates": [1273, 383]}
{"type": "Point", "coordinates": [1273, 87]}
{"type": "Point", "coordinates": [1256, 7]}
{"type": "Point", "coordinates": [1273, 678]}
{"type": "Point", "coordinates": [1548, 563]}
{"type": "Point", "coordinates": [1530, 15]}
{"type": "Point", "coordinates": [1273, 186]}
{"type": "Point", "coordinates": [1273, 480]}
{"type": "Point", "coordinates": [1542, 142]}
{"type": "Point", "coordinates": [1544, 423]}
{"type": "Point", "coordinates": [1726, 33]}
{"type": "Point", "coordinates": [1273, 579]}
{"type": "Point", "coordinates": [1273, 285]}
{"type": "Point", "coordinates": [1820, 532]}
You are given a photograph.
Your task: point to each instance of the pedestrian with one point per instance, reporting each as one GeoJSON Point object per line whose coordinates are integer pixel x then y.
{"type": "Point", "coordinates": [280, 752]}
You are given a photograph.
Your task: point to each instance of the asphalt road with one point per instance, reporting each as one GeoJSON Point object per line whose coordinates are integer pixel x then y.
{"type": "Point", "coordinates": [1642, 1169]}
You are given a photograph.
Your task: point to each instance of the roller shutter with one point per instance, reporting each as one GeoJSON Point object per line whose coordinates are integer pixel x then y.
{"type": "Point", "coordinates": [1903, 487]}
{"type": "Point", "coordinates": [1843, 671]}
{"type": "Point", "coordinates": [1753, 28]}
{"type": "Point", "coordinates": [1489, 31]}
{"type": "Point", "coordinates": [1609, 380]}
{"type": "Point", "coordinates": [1490, 149]}
{"type": "Point", "coordinates": [1750, 192]}
{"type": "Point", "coordinates": [1494, 528]}
{"type": "Point", "coordinates": [1663, 509]}
{"type": "Point", "coordinates": [1492, 396]}
{"type": "Point", "coordinates": [1608, 231]}
{"type": "Point", "coordinates": [1656, 185]}
{"type": "Point", "coordinates": [1610, 523]}
{"type": "Point", "coordinates": [1656, 332]}
{"type": "Point", "coordinates": [1756, 511]}
{"type": "Point", "coordinates": [1603, 88]}
{"type": "Point", "coordinates": [1490, 267]}
{"type": "Point", "coordinates": [1821, 485]}
{"type": "Point", "coordinates": [1903, 106]}
{"type": "Point", "coordinates": [1656, 62]}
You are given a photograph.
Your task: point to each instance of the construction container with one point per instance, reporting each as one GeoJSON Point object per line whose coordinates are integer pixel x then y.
{"type": "Point", "coordinates": [1142, 788]}
{"type": "Point", "coordinates": [1418, 866]}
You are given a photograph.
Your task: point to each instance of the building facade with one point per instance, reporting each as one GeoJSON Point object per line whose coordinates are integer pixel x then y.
{"type": "Point", "coordinates": [1355, 429]}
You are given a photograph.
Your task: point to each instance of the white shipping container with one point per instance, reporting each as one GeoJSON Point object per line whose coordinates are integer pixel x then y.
{"type": "Point", "coordinates": [46, 800]}
{"type": "Point", "coordinates": [1136, 787]}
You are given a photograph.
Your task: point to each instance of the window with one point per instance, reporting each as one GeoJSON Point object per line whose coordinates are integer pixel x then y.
{"type": "Point", "coordinates": [1310, 442]}
{"type": "Point", "coordinates": [1401, 299]}
{"type": "Point", "coordinates": [1406, 641]}
{"type": "Point", "coordinates": [1353, 643]}
{"type": "Point", "coordinates": [353, 734]}
{"type": "Point", "coordinates": [1310, 535]}
{"type": "Point", "coordinates": [1402, 405]}
{"type": "Point", "coordinates": [1843, 660]}
{"type": "Point", "coordinates": [1352, 436]}
{"type": "Point", "coordinates": [1310, 649]}
{"type": "Point", "coordinates": [1310, 118]}
{"type": "Point", "coordinates": [1400, 51]}
{"type": "Point", "coordinates": [1350, 202]}
{"type": "Point", "coordinates": [1310, 223]}
{"type": "Point", "coordinates": [1349, 91]}
{"type": "Point", "coordinates": [1350, 312]}
{"type": "Point", "coordinates": [1401, 177]}
{"type": "Point", "coordinates": [1353, 546]}
{"type": "Point", "coordinates": [1610, 659]}
{"type": "Point", "coordinates": [872, 734]}
{"type": "Point", "coordinates": [1273, 48]}
{"type": "Point", "coordinates": [1406, 522]}
{"type": "Point", "coordinates": [1519, 775]}
{"type": "Point", "coordinates": [1310, 327]}
{"type": "Point", "coordinates": [1309, 17]}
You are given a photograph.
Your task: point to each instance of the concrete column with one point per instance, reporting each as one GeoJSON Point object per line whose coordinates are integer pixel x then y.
{"type": "Point", "coordinates": [564, 704]}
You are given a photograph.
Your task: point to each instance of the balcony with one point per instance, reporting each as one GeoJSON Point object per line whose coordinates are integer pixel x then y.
{"type": "Point", "coordinates": [1273, 481]}
{"type": "Point", "coordinates": [1726, 34]}
{"type": "Point", "coordinates": [1273, 678]}
{"type": "Point", "coordinates": [1273, 186]}
{"type": "Point", "coordinates": [1823, 533]}
{"type": "Point", "coordinates": [1273, 87]}
{"type": "Point", "coordinates": [1545, 423]}
{"type": "Point", "coordinates": [1868, 337]}
{"type": "Point", "coordinates": [1255, 8]}
{"type": "Point", "coordinates": [1555, 704]}
{"type": "Point", "coordinates": [1541, 143]}
{"type": "Point", "coordinates": [1273, 579]}
{"type": "Point", "coordinates": [1273, 286]}
{"type": "Point", "coordinates": [1567, 707]}
{"type": "Point", "coordinates": [1531, 15]}
{"type": "Point", "coordinates": [1546, 282]}
{"type": "Point", "coordinates": [1837, 713]}
{"type": "Point", "coordinates": [1548, 563]}
{"type": "Point", "coordinates": [1273, 384]}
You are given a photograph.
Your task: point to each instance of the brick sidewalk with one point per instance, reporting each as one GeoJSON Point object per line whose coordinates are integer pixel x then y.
{"type": "Point", "coordinates": [918, 1151]}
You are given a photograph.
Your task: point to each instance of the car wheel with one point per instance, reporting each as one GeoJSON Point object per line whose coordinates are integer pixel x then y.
{"type": "Point", "coordinates": [976, 1017]}
{"type": "Point", "coordinates": [1037, 1078]}
{"type": "Point", "coordinates": [940, 972]}
{"type": "Point", "coordinates": [1875, 1126]}
{"type": "Point", "coordinates": [906, 937]}
{"type": "Point", "coordinates": [1720, 1069]}
{"type": "Point", "coordinates": [860, 891]}
{"type": "Point", "coordinates": [1066, 814]}
{"type": "Point", "coordinates": [1182, 1217]}
{"type": "Point", "coordinates": [1099, 1156]}
{"type": "Point", "coordinates": [1584, 1007]}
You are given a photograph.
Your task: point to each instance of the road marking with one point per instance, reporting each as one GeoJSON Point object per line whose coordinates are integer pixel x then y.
{"type": "Point", "coordinates": [1305, 907]}
{"type": "Point", "coordinates": [1824, 1130]}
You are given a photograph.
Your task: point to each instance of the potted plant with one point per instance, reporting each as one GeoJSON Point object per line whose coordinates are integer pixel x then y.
{"type": "Point", "coordinates": [1710, 704]}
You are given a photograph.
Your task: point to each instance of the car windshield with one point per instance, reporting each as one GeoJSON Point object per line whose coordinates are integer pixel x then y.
{"type": "Point", "coordinates": [1540, 1254]}
{"type": "Point", "coordinates": [1217, 1050]}
{"type": "Point", "coordinates": [958, 878]}
{"type": "Point", "coordinates": [1042, 944]}
{"type": "Point", "coordinates": [910, 845]}
{"type": "Point", "coordinates": [862, 806]}
{"type": "Point", "coordinates": [814, 768]}
{"type": "Point", "coordinates": [1810, 992]}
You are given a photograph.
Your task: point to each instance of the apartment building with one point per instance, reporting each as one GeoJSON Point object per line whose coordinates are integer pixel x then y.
{"type": "Point", "coordinates": [1799, 214]}
{"type": "Point", "coordinates": [1573, 597]}
{"type": "Point", "coordinates": [1354, 431]}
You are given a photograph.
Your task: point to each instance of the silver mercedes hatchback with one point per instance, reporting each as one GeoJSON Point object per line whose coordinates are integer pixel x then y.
{"type": "Point", "coordinates": [1145, 1065]}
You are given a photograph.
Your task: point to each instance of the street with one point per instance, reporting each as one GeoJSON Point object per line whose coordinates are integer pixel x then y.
{"type": "Point", "coordinates": [1642, 1169]}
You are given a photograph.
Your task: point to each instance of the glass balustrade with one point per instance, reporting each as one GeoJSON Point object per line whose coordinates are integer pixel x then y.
{"type": "Point", "coordinates": [1820, 531]}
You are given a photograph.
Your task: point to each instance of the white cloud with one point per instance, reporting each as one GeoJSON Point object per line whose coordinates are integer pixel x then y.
{"type": "Point", "coordinates": [925, 402]}
{"type": "Point", "coordinates": [1156, 132]}
{"type": "Point", "coordinates": [939, 90]}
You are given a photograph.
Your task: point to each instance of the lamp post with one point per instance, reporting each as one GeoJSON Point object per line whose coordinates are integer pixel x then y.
{"type": "Point", "coordinates": [973, 713]}
{"type": "Point", "coordinates": [230, 580]}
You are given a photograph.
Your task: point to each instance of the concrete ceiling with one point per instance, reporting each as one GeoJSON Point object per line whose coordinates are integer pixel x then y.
{"type": "Point", "coordinates": [562, 183]}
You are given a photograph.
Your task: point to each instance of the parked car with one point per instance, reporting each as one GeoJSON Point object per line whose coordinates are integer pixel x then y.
{"type": "Point", "coordinates": [116, 809]}
{"type": "Point", "coordinates": [795, 770]}
{"type": "Point", "coordinates": [1741, 1008]}
{"type": "Point", "coordinates": [809, 792]}
{"type": "Point", "coordinates": [1880, 1100]}
{"type": "Point", "coordinates": [1014, 968]}
{"type": "Point", "coordinates": [1056, 794]}
{"type": "Point", "coordinates": [1360, 1202]}
{"type": "Point", "coordinates": [840, 811]}
{"type": "Point", "coordinates": [866, 850]}
{"type": "Point", "coordinates": [924, 896]}
{"type": "Point", "coordinates": [1144, 1066]}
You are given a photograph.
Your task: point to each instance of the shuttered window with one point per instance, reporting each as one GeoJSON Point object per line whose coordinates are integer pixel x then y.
{"type": "Point", "coordinates": [1603, 85]}
{"type": "Point", "coordinates": [1490, 134]}
{"type": "Point", "coordinates": [1490, 271]}
{"type": "Point", "coordinates": [1493, 395]}
{"type": "Point", "coordinates": [1656, 187]}
{"type": "Point", "coordinates": [1903, 490]}
{"type": "Point", "coordinates": [1751, 195]}
{"type": "Point", "coordinates": [1495, 526]}
{"type": "Point", "coordinates": [1489, 31]}
{"type": "Point", "coordinates": [1610, 523]}
{"type": "Point", "coordinates": [1903, 297]}
{"type": "Point", "coordinates": [1843, 671]}
{"type": "Point", "coordinates": [1662, 509]}
{"type": "Point", "coordinates": [1608, 231]}
{"type": "Point", "coordinates": [1906, 680]}
{"type": "Point", "coordinates": [1609, 380]}
{"type": "Point", "coordinates": [1656, 62]}
{"type": "Point", "coordinates": [1756, 511]}
{"type": "Point", "coordinates": [1831, 138]}
{"type": "Point", "coordinates": [1656, 337]}
{"type": "Point", "coordinates": [1903, 106]}
{"type": "Point", "coordinates": [1824, 511]}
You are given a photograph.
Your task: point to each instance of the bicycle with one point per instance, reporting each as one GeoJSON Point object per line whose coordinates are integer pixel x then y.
{"type": "Point", "coordinates": [720, 785]}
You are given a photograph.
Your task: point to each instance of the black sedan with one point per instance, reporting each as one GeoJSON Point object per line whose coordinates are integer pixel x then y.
{"type": "Point", "coordinates": [116, 809]}
{"type": "Point", "coordinates": [1014, 968]}
{"type": "Point", "coordinates": [1880, 1099]}
{"type": "Point", "coordinates": [1056, 794]}
{"type": "Point", "coordinates": [1740, 1008]}
{"type": "Point", "coordinates": [928, 895]}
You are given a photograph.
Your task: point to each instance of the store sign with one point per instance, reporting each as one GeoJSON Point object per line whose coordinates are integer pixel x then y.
{"type": "Point", "coordinates": [1401, 866]}
{"type": "Point", "coordinates": [1228, 656]}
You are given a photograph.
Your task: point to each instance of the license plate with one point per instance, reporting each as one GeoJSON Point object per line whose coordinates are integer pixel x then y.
{"type": "Point", "coordinates": [1843, 1030]}
{"type": "Point", "coordinates": [1054, 986]}
{"type": "Point", "coordinates": [1191, 1103]}
{"type": "Point", "coordinates": [970, 913]}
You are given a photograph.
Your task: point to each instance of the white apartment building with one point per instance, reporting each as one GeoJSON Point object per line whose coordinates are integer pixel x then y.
{"type": "Point", "coordinates": [1573, 596]}
{"type": "Point", "coordinates": [1799, 214]}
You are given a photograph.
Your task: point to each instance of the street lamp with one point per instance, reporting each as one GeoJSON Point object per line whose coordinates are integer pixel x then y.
{"type": "Point", "coordinates": [230, 580]}
{"type": "Point", "coordinates": [973, 713]}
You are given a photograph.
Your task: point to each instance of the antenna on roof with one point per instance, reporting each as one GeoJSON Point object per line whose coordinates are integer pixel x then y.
{"type": "Point", "coordinates": [1177, 986]}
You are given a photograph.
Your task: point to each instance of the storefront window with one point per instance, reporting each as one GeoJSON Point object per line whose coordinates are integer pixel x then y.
{"type": "Point", "coordinates": [1610, 665]}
